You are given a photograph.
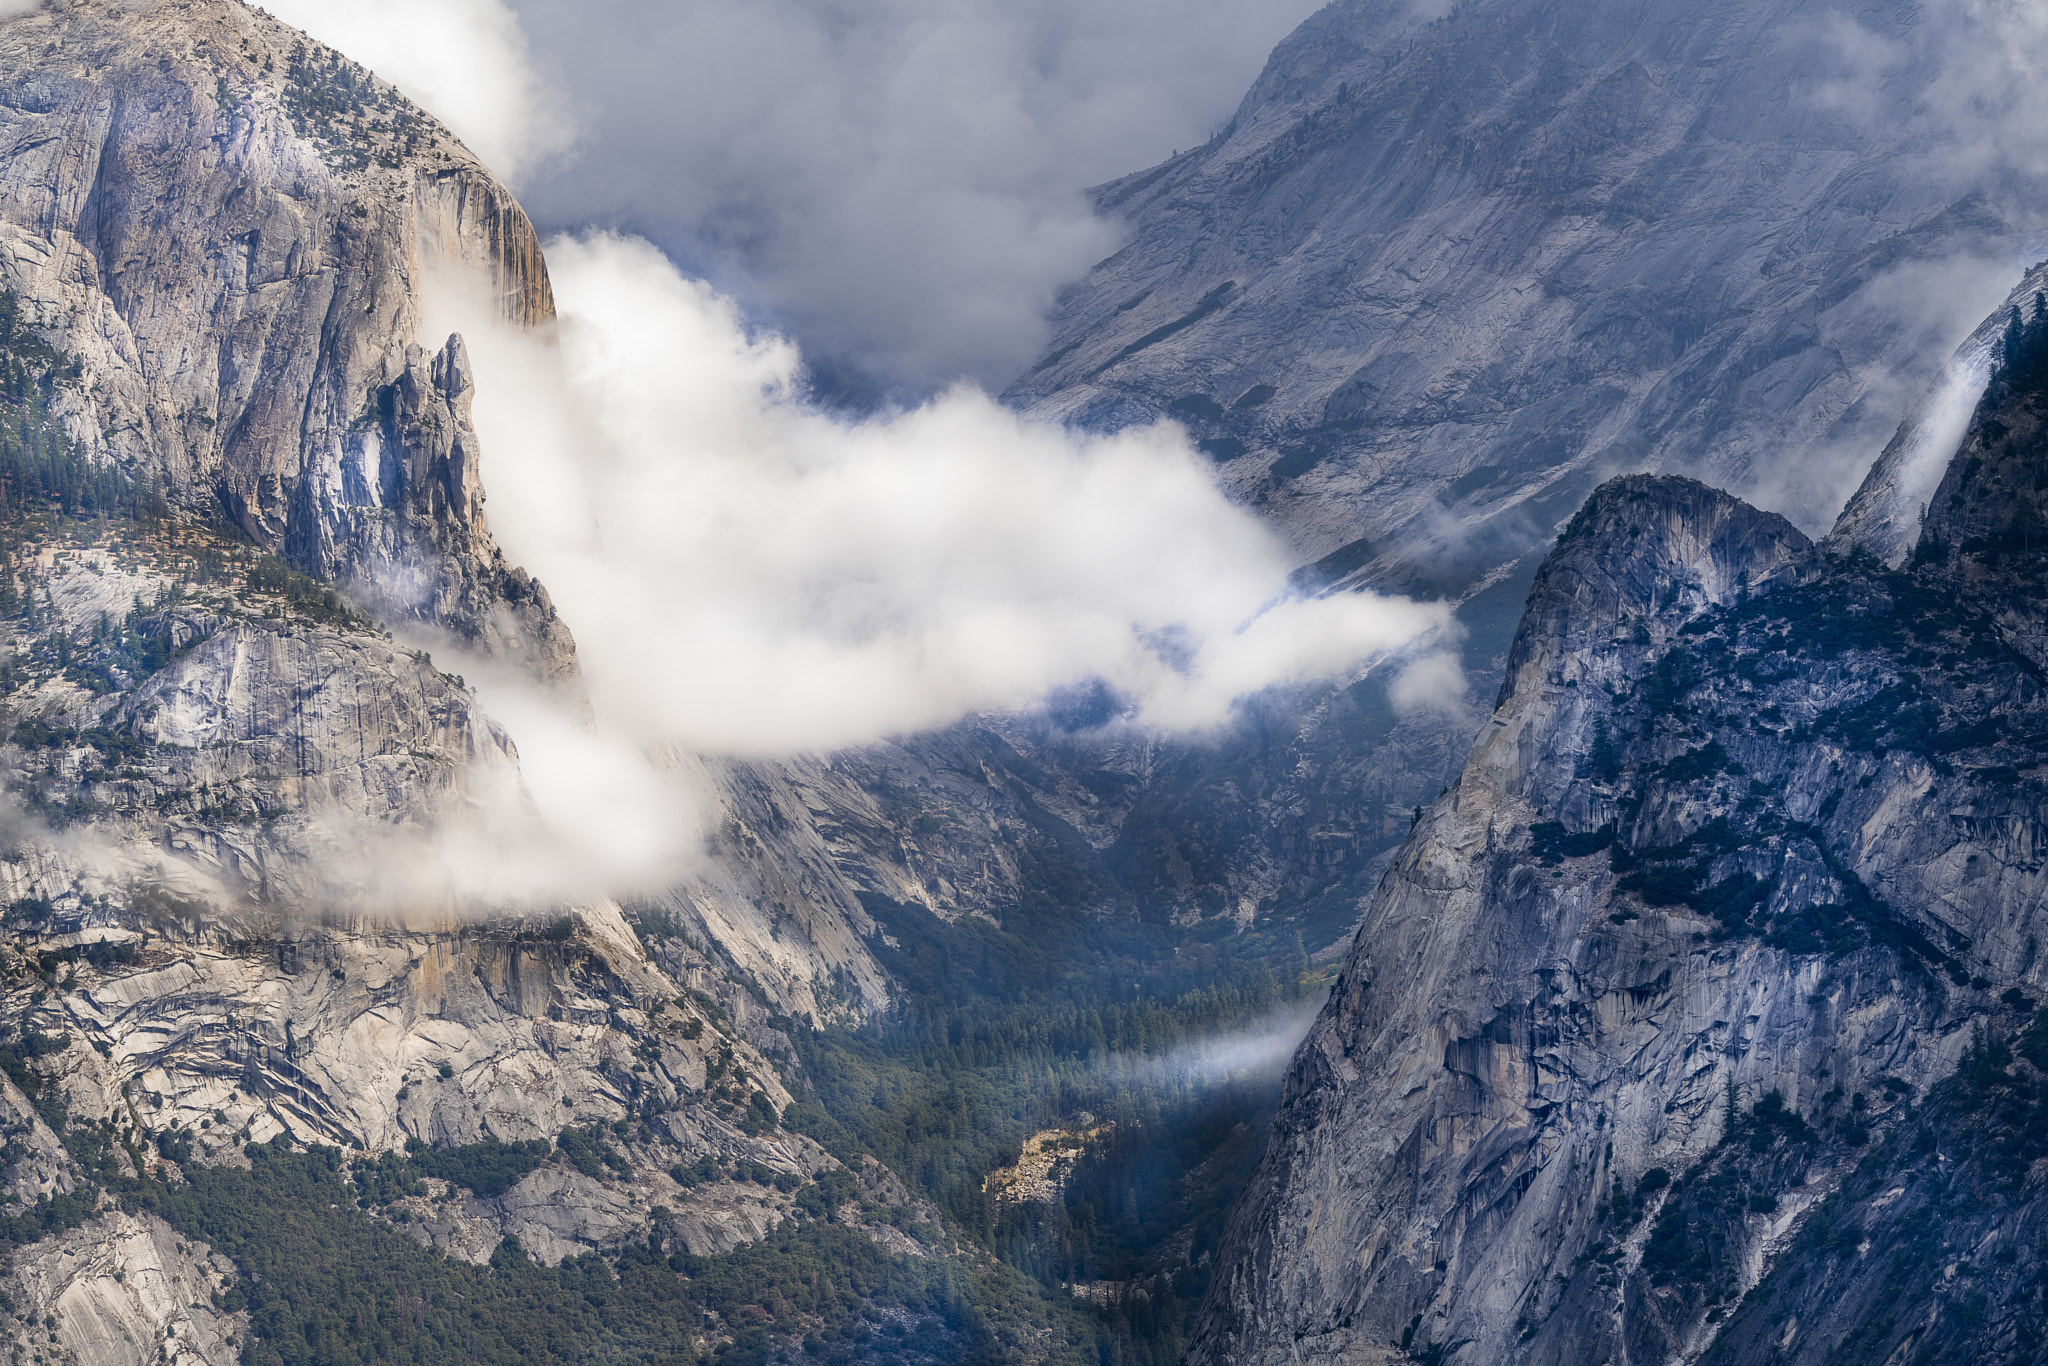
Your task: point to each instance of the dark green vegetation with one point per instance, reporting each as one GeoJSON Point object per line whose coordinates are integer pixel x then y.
{"type": "Point", "coordinates": [1697, 1234]}
{"type": "Point", "coordinates": [489, 1168]}
{"type": "Point", "coordinates": [1061, 1017]}
{"type": "Point", "coordinates": [91, 1148]}
{"type": "Point", "coordinates": [358, 121]}
{"type": "Point", "coordinates": [54, 497]}
{"type": "Point", "coordinates": [1058, 1018]}
{"type": "Point", "coordinates": [2023, 351]}
{"type": "Point", "coordinates": [1701, 1224]}
{"type": "Point", "coordinates": [42, 476]}
{"type": "Point", "coordinates": [325, 1286]}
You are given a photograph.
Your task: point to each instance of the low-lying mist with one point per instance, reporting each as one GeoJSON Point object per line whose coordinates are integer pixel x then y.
{"type": "Point", "coordinates": [1258, 1049]}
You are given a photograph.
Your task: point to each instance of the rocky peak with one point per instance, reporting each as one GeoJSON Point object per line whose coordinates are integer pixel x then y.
{"type": "Point", "coordinates": [1642, 554]}
{"type": "Point", "coordinates": [1741, 866]}
{"type": "Point", "coordinates": [228, 226]}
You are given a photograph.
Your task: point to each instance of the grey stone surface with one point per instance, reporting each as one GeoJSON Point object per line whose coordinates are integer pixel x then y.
{"type": "Point", "coordinates": [230, 228]}
{"type": "Point", "coordinates": [1449, 266]}
{"type": "Point", "coordinates": [1521, 1033]}
{"type": "Point", "coordinates": [126, 1290]}
{"type": "Point", "coordinates": [265, 844]}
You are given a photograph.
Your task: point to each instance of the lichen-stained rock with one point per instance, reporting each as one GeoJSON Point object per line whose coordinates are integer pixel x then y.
{"type": "Point", "coordinates": [1745, 860]}
{"type": "Point", "coordinates": [229, 227]}
{"type": "Point", "coordinates": [126, 1290]}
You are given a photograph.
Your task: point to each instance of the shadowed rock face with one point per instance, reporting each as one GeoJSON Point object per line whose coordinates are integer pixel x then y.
{"type": "Point", "coordinates": [230, 227]}
{"type": "Point", "coordinates": [1745, 860]}
{"type": "Point", "coordinates": [1437, 278]}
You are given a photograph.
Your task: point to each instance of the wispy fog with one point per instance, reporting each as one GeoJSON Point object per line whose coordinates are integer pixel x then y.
{"type": "Point", "coordinates": [1262, 1046]}
{"type": "Point", "coordinates": [1928, 308]}
{"type": "Point", "coordinates": [894, 182]}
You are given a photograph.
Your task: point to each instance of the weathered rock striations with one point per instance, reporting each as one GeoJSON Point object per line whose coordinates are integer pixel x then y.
{"type": "Point", "coordinates": [270, 874]}
{"type": "Point", "coordinates": [126, 1290]}
{"type": "Point", "coordinates": [238, 908]}
{"type": "Point", "coordinates": [1449, 266]}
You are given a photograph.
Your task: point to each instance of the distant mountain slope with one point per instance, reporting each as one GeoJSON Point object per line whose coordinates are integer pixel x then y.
{"type": "Point", "coordinates": [1438, 277]}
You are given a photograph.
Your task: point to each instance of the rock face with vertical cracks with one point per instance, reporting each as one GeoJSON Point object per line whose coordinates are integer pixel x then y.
{"type": "Point", "coordinates": [266, 873]}
{"type": "Point", "coordinates": [229, 227]}
{"type": "Point", "coordinates": [1648, 1046]}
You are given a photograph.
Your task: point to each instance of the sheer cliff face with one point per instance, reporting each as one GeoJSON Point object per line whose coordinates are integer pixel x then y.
{"type": "Point", "coordinates": [262, 869]}
{"type": "Point", "coordinates": [1437, 278]}
{"type": "Point", "coordinates": [229, 227]}
{"type": "Point", "coordinates": [1744, 861]}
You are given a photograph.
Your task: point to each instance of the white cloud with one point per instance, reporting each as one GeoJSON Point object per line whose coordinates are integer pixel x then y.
{"type": "Point", "coordinates": [1433, 683]}
{"type": "Point", "coordinates": [899, 182]}
{"type": "Point", "coordinates": [465, 61]}
{"type": "Point", "coordinates": [1959, 85]}
{"type": "Point", "coordinates": [748, 574]}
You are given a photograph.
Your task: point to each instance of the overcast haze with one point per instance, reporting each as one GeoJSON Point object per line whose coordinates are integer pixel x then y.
{"type": "Point", "coordinates": [897, 183]}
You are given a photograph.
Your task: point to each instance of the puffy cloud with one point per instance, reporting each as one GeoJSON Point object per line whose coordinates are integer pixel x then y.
{"type": "Point", "coordinates": [747, 573]}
